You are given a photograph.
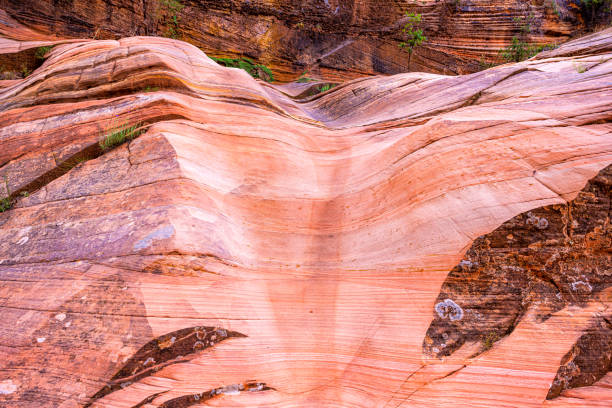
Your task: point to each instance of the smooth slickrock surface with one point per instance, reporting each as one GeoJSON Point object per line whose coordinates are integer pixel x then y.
{"type": "Point", "coordinates": [250, 249]}
{"type": "Point", "coordinates": [329, 38]}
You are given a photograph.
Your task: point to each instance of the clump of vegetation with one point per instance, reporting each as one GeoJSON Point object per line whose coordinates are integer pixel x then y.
{"type": "Point", "coordinates": [592, 10]}
{"type": "Point", "coordinates": [119, 134]}
{"type": "Point", "coordinates": [304, 79]}
{"type": "Point", "coordinates": [489, 340]}
{"type": "Point", "coordinates": [6, 203]}
{"type": "Point", "coordinates": [255, 70]}
{"type": "Point", "coordinates": [150, 89]}
{"type": "Point", "coordinates": [25, 71]}
{"type": "Point", "coordinates": [519, 50]}
{"type": "Point", "coordinates": [326, 87]}
{"type": "Point", "coordinates": [172, 9]}
{"type": "Point", "coordinates": [555, 8]}
{"type": "Point", "coordinates": [42, 51]}
{"type": "Point", "coordinates": [414, 35]}
{"type": "Point", "coordinates": [580, 68]}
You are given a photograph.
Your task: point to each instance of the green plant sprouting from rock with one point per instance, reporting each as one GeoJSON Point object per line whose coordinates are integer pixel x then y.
{"type": "Point", "coordinates": [119, 134]}
{"type": "Point", "coordinates": [304, 78]}
{"type": "Point", "coordinates": [591, 9]}
{"type": "Point", "coordinates": [326, 87]}
{"type": "Point", "coordinates": [255, 70]}
{"type": "Point", "coordinates": [173, 9]}
{"type": "Point", "coordinates": [489, 340]}
{"type": "Point", "coordinates": [41, 52]}
{"type": "Point", "coordinates": [6, 203]}
{"type": "Point", "coordinates": [413, 35]}
{"type": "Point", "coordinates": [520, 49]}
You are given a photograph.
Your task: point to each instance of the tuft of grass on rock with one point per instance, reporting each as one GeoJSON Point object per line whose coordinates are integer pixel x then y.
{"type": "Point", "coordinates": [258, 71]}
{"type": "Point", "coordinates": [6, 203]}
{"type": "Point", "coordinates": [42, 51]}
{"type": "Point", "coordinates": [120, 134]}
{"type": "Point", "coordinates": [580, 68]}
{"type": "Point", "coordinates": [151, 89]}
{"type": "Point", "coordinates": [304, 78]}
{"type": "Point", "coordinates": [489, 340]}
{"type": "Point", "coordinates": [326, 87]}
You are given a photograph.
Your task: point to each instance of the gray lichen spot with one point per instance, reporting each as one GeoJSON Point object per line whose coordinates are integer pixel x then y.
{"type": "Point", "coordinates": [449, 309]}
{"type": "Point", "coordinates": [7, 387]}
{"type": "Point", "coordinates": [162, 233]}
{"type": "Point", "coordinates": [538, 222]}
{"type": "Point", "coordinates": [233, 389]}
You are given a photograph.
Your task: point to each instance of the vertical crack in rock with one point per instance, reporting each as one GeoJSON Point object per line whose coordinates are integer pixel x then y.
{"type": "Point", "coordinates": [548, 258]}
{"type": "Point", "coordinates": [589, 359]}
{"type": "Point", "coordinates": [176, 347]}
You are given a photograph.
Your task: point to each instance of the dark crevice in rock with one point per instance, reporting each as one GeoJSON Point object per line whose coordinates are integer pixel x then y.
{"type": "Point", "coordinates": [194, 399]}
{"type": "Point", "coordinates": [20, 64]}
{"type": "Point", "coordinates": [149, 399]}
{"type": "Point", "coordinates": [545, 259]}
{"type": "Point", "coordinates": [589, 359]}
{"type": "Point", "coordinates": [176, 347]}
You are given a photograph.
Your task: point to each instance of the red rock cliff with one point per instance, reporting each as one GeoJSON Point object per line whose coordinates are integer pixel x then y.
{"type": "Point", "coordinates": [333, 38]}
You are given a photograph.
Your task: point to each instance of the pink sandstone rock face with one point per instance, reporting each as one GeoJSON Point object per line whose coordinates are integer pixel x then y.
{"type": "Point", "coordinates": [254, 249]}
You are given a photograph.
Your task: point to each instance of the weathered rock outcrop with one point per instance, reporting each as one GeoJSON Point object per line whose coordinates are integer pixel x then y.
{"type": "Point", "coordinates": [250, 248]}
{"type": "Point", "coordinates": [330, 38]}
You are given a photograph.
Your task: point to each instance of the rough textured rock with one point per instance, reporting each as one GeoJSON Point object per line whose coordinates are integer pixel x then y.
{"type": "Point", "coordinates": [330, 38]}
{"type": "Point", "coordinates": [312, 236]}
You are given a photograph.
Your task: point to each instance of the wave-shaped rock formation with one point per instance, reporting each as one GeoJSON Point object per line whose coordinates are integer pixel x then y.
{"type": "Point", "coordinates": [330, 38]}
{"type": "Point", "coordinates": [247, 246]}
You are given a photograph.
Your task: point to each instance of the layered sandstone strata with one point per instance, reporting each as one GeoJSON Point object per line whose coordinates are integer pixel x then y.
{"type": "Point", "coordinates": [253, 248]}
{"type": "Point", "coordinates": [329, 38]}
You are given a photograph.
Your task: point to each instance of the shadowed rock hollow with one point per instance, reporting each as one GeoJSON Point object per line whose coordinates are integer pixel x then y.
{"type": "Point", "coordinates": [251, 248]}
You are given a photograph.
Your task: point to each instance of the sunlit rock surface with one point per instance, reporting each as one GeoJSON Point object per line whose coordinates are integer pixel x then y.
{"type": "Point", "coordinates": [254, 249]}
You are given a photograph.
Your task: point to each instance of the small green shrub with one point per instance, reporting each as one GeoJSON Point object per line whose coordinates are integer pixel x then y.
{"type": "Point", "coordinates": [42, 51]}
{"type": "Point", "coordinates": [580, 68]}
{"type": "Point", "coordinates": [489, 340]}
{"type": "Point", "coordinates": [414, 36]}
{"type": "Point", "coordinates": [150, 89]}
{"type": "Point", "coordinates": [555, 8]}
{"type": "Point", "coordinates": [117, 135]}
{"type": "Point", "coordinates": [525, 23]}
{"type": "Point", "coordinates": [326, 87]}
{"type": "Point", "coordinates": [593, 10]}
{"type": "Point", "coordinates": [173, 8]}
{"type": "Point", "coordinates": [519, 50]}
{"type": "Point", "coordinates": [304, 78]}
{"type": "Point", "coordinates": [6, 203]}
{"type": "Point", "coordinates": [255, 70]}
